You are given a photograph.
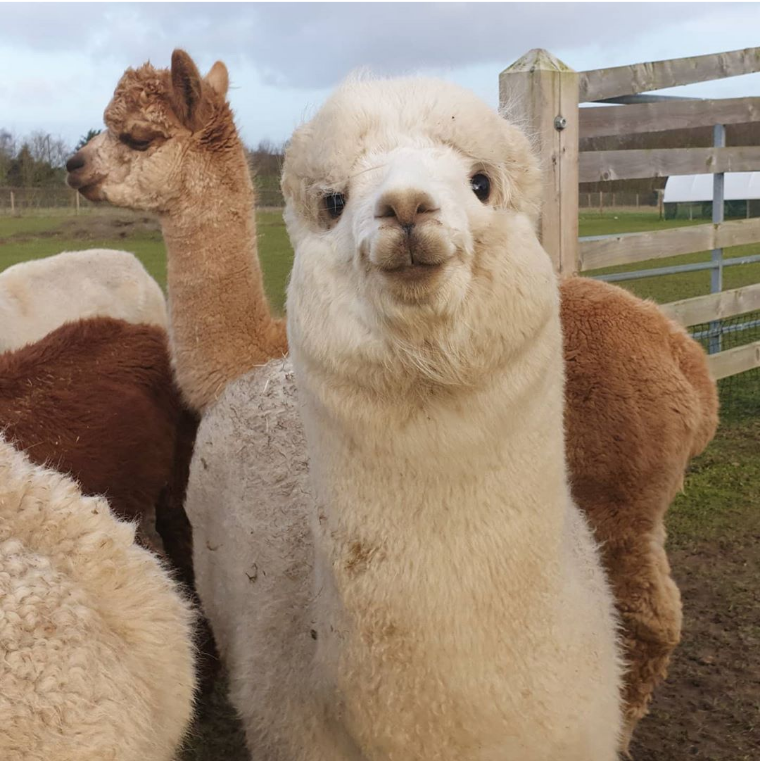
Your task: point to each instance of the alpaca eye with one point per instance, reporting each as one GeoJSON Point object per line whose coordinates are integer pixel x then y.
{"type": "Point", "coordinates": [134, 143]}
{"type": "Point", "coordinates": [334, 204]}
{"type": "Point", "coordinates": [481, 186]}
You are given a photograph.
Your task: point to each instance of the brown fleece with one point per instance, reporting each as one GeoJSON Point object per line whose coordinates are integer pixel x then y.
{"type": "Point", "coordinates": [640, 403]}
{"type": "Point", "coordinates": [95, 399]}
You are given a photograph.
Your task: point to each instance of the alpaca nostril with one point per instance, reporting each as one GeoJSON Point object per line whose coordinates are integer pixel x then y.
{"type": "Point", "coordinates": [77, 161]}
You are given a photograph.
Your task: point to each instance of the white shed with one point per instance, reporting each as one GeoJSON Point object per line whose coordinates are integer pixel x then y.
{"type": "Point", "coordinates": [688, 189]}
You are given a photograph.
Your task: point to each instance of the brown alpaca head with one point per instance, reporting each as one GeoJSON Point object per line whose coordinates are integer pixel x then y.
{"type": "Point", "coordinates": [165, 128]}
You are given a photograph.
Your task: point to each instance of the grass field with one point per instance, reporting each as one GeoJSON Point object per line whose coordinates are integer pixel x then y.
{"type": "Point", "coordinates": [23, 238]}
{"type": "Point", "coordinates": [710, 706]}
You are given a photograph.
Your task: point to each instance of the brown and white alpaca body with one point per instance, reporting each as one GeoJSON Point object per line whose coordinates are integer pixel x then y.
{"type": "Point", "coordinates": [38, 296]}
{"type": "Point", "coordinates": [171, 147]}
{"type": "Point", "coordinates": [96, 638]}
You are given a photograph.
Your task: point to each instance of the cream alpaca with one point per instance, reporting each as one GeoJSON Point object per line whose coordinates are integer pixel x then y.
{"type": "Point", "coordinates": [96, 639]}
{"type": "Point", "coordinates": [38, 296]}
{"type": "Point", "coordinates": [460, 608]}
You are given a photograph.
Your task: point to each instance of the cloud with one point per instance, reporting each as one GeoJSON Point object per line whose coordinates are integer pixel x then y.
{"type": "Point", "coordinates": [60, 62]}
{"type": "Point", "coordinates": [314, 45]}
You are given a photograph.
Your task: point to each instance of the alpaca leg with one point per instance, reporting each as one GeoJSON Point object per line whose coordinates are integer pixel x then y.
{"type": "Point", "coordinates": [651, 617]}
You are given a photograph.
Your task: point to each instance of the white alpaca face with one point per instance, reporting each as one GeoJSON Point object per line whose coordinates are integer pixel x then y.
{"type": "Point", "coordinates": [394, 194]}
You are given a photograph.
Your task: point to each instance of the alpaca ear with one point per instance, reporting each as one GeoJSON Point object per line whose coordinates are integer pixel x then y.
{"type": "Point", "coordinates": [218, 78]}
{"type": "Point", "coordinates": [186, 89]}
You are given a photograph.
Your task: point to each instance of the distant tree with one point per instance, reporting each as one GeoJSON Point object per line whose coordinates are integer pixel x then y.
{"type": "Point", "coordinates": [91, 133]}
{"type": "Point", "coordinates": [266, 159]}
{"type": "Point", "coordinates": [21, 168]}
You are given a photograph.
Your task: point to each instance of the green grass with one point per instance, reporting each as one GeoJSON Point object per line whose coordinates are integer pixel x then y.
{"type": "Point", "coordinates": [24, 238]}
{"type": "Point", "coordinates": [721, 499]}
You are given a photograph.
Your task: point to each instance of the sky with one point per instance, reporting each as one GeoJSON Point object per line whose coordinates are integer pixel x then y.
{"type": "Point", "coordinates": [61, 61]}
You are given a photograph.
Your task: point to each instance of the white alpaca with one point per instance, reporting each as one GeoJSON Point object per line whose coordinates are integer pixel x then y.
{"type": "Point", "coordinates": [40, 295]}
{"type": "Point", "coordinates": [96, 641]}
{"type": "Point", "coordinates": [443, 599]}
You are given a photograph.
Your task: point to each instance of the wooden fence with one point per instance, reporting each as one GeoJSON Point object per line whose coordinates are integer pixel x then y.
{"type": "Point", "coordinates": [544, 95]}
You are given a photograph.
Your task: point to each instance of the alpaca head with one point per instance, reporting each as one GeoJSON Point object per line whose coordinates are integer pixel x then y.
{"type": "Point", "coordinates": [164, 128]}
{"type": "Point", "coordinates": [411, 206]}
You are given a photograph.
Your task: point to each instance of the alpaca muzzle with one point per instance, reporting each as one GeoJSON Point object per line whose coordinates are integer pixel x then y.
{"type": "Point", "coordinates": [412, 252]}
{"type": "Point", "coordinates": [81, 178]}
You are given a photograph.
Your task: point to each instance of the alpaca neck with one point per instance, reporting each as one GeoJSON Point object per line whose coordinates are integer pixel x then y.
{"type": "Point", "coordinates": [221, 322]}
{"type": "Point", "coordinates": [416, 495]}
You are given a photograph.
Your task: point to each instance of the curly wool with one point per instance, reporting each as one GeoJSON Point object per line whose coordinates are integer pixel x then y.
{"type": "Point", "coordinates": [97, 640]}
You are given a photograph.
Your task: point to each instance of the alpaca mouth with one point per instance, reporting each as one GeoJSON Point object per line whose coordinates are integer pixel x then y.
{"type": "Point", "coordinates": [90, 188]}
{"type": "Point", "coordinates": [413, 272]}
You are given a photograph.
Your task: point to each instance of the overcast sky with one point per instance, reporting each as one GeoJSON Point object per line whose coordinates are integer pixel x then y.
{"type": "Point", "coordinates": [60, 62]}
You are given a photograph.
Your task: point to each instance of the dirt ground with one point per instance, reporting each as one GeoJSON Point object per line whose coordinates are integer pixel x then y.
{"type": "Point", "coordinates": [708, 709]}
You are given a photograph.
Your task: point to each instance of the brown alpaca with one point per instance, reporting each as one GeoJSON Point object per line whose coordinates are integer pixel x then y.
{"type": "Point", "coordinates": [95, 399]}
{"type": "Point", "coordinates": [640, 398]}
{"type": "Point", "coordinates": [172, 145]}
{"type": "Point", "coordinates": [640, 404]}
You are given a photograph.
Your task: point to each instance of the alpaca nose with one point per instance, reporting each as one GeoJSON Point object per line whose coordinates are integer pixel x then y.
{"type": "Point", "coordinates": [406, 207]}
{"type": "Point", "coordinates": [75, 162]}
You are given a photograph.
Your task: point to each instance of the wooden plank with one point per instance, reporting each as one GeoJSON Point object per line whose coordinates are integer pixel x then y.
{"type": "Point", "coordinates": [601, 166]}
{"type": "Point", "coordinates": [714, 306]}
{"type": "Point", "coordinates": [599, 84]}
{"type": "Point", "coordinates": [534, 92]}
{"type": "Point", "coordinates": [737, 233]}
{"type": "Point", "coordinates": [734, 361]}
{"type": "Point", "coordinates": [657, 117]}
{"type": "Point", "coordinates": [640, 247]}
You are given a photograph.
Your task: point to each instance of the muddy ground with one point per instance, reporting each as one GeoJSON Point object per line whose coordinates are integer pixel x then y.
{"type": "Point", "coordinates": [709, 707]}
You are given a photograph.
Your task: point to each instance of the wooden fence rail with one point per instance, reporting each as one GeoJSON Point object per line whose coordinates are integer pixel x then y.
{"type": "Point", "coordinates": [735, 361]}
{"type": "Point", "coordinates": [601, 166]}
{"type": "Point", "coordinates": [658, 117]}
{"type": "Point", "coordinates": [631, 248]}
{"type": "Point", "coordinates": [602, 84]}
{"type": "Point", "coordinates": [715, 306]}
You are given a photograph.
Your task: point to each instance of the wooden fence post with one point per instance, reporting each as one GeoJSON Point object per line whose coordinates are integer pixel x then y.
{"type": "Point", "coordinates": [540, 94]}
{"type": "Point", "coordinates": [13, 204]}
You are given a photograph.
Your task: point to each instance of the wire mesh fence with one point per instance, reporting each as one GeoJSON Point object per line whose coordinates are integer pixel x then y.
{"type": "Point", "coordinates": [739, 394]}
{"type": "Point", "coordinates": [621, 199]}
{"type": "Point", "coordinates": [62, 200]}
